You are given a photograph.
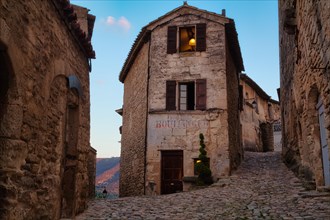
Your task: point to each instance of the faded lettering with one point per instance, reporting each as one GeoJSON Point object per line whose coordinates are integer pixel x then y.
{"type": "Point", "coordinates": [180, 124]}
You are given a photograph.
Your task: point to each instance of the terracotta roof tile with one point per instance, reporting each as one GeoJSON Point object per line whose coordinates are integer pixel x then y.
{"type": "Point", "coordinates": [67, 12]}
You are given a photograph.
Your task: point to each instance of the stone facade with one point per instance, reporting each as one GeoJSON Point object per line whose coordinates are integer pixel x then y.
{"type": "Point", "coordinates": [258, 114]}
{"type": "Point", "coordinates": [153, 124]}
{"type": "Point", "coordinates": [46, 162]}
{"type": "Point", "coordinates": [134, 126]}
{"type": "Point", "coordinates": [305, 76]}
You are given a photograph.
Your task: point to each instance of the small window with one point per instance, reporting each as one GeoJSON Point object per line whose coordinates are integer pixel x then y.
{"type": "Point", "coordinates": [187, 96]}
{"type": "Point", "coordinates": [191, 95]}
{"type": "Point", "coordinates": [187, 39]}
{"type": "Point", "coordinates": [257, 106]}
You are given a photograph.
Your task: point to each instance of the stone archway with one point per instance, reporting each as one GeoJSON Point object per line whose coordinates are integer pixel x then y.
{"type": "Point", "coordinates": [313, 145]}
{"type": "Point", "coordinates": [12, 148]}
{"type": "Point", "coordinates": [10, 103]}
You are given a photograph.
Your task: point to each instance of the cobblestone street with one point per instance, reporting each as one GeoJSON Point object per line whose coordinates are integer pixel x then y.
{"type": "Point", "coordinates": [262, 188]}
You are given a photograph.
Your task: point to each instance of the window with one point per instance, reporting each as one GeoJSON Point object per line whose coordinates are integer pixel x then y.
{"type": "Point", "coordinates": [191, 95]}
{"type": "Point", "coordinates": [187, 40]}
{"type": "Point", "coordinates": [187, 96]}
{"type": "Point", "coordinates": [191, 38]}
{"type": "Point", "coordinates": [257, 107]}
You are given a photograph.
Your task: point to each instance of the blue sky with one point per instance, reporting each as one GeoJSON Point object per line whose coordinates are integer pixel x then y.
{"type": "Point", "coordinates": [119, 22]}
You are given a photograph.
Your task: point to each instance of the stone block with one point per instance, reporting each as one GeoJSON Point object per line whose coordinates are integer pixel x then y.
{"type": "Point", "coordinates": [179, 132]}
{"type": "Point", "coordinates": [12, 153]}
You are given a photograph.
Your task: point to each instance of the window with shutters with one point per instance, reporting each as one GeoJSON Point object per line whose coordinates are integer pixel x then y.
{"type": "Point", "coordinates": [186, 39]}
{"type": "Point", "coordinates": [187, 96]}
{"type": "Point", "coordinates": [191, 95]}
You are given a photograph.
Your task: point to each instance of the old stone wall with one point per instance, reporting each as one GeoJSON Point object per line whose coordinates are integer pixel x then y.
{"type": "Point", "coordinates": [133, 143]}
{"type": "Point", "coordinates": [179, 130]}
{"type": "Point", "coordinates": [267, 136]}
{"type": "Point", "coordinates": [234, 129]}
{"type": "Point", "coordinates": [252, 117]}
{"type": "Point", "coordinates": [91, 172]}
{"type": "Point", "coordinates": [44, 127]}
{"type": "Point", "coordinates": [304, 49]}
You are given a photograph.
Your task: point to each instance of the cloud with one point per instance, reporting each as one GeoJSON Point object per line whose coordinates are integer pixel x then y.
{"type": "Point", "coordinates": [122, 23]}
{"type": "Point", "coordinates": [110, 20]}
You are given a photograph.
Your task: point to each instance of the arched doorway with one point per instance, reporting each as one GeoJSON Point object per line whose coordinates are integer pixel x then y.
{"type": "Point", "coordinates": [12, 149]}
{"type": "Point", "coordinates": [317, 130]}
{"type": "Point", "coordinates": [63, 124]}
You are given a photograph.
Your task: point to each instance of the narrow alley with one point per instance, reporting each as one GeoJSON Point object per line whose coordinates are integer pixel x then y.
{"type": "Point", "coordinates": [262, 188]}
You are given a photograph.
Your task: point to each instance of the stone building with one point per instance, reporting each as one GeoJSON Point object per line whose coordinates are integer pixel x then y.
{"type": "Point", "coordinates": [47, 166]}
{"type": "Point", "coordinates": [180, 79]}
{"type": "Point", "coordinates": [258, 114]}
{"type": "Point", "coordinates": [305, 87]}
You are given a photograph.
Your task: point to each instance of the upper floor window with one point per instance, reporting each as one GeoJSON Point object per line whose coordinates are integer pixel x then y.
{"type": "Point", "coordinates": [191, 95]}
{"type": "Point", "coordinates": [191, 38]}
{"type": "Point", "coordinates": [187, 96]}
{"type": "Point", "coordinates": [187, 39]}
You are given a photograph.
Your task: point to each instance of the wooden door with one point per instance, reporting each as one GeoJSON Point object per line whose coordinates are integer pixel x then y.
{"type": "Point", "coordinates": [172, 171]}
{"type": "Point", "coordinates": [324, 144]}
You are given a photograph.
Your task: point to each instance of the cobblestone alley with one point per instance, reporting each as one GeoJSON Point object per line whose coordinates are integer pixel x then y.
{"type": "Point", "coordinates": [262, 188]}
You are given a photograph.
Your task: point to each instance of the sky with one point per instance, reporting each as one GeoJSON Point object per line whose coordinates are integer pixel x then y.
{"type": "Point", "coordinates": [117, 26]}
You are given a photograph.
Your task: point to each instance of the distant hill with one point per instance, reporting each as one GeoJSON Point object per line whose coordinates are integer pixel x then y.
{"type": "Point", "coordinates": [107, 175]}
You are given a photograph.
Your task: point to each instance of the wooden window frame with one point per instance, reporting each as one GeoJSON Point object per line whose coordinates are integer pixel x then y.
{"type": "Point", "coordinates": [186, 40]}
{"type": "Point", "coordinates": [173, 95]}
{"type": "Point", "coordinates": [174, 38]}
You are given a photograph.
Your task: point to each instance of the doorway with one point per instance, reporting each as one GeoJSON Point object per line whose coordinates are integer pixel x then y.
{"type": "Point", "coordinates": [171, 171]}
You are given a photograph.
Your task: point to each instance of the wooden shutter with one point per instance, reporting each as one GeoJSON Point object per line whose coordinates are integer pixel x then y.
{"type": "Point", "coordinates": [201, 94]}
{"type": "Point", "coordinates": [171, 39]}
{"type": "Point", "coordinates": [200, 37]}
{"type": "Point", "coordinates": [170, 95]}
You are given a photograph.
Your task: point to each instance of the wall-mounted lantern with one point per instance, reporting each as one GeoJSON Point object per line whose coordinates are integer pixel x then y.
{"type": "Point", "coordinates": [253, 103]}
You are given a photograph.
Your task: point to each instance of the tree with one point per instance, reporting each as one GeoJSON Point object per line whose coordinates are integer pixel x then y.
{"type": "Point", "coordinates": [202, 165]}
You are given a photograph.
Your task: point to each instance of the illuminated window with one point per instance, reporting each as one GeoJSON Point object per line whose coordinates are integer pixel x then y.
{"type": "Point", "coordinates": [187, 39]}
{"type": "Point", "coordinates": [190, 38]}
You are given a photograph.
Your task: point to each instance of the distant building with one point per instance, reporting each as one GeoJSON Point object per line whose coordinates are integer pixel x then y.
{"type": "Point", "coordinates": [181, 79]}
{"type": "Point", "coordinates": [259, 115]}
{"type": "Point", "coordinates": [47, 166]}
{"type": "Point", "coordinates": [305, 87]}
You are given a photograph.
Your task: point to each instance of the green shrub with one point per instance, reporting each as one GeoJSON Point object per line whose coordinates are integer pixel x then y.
{"type": "Point", "coordinates": [202, 165]}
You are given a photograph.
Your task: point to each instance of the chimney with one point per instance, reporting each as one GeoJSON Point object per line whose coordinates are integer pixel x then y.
{"type": "Point", "coordinates": [223, 12]}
